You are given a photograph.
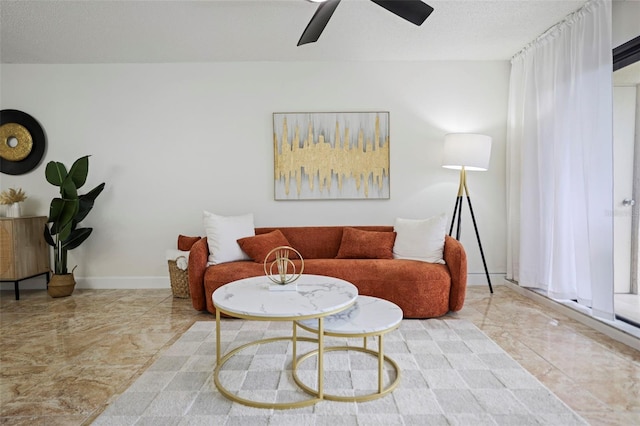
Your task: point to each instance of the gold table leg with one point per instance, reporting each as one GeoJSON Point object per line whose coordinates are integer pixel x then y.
{"type": "Point", "coordinates": [259, 404]}
{"type": "Point", "coordinates": [217, 337]}
{"type": "Point", "coordinates": [321, 357]}
{"type": "Point", "coordinates": [222, 359]}
{"type": "Point", "coordinates": [294, 335]}
{"type": "Point", "coordinates": [380, 357]}
{"type": "Point", "coordinates": [380, 362]}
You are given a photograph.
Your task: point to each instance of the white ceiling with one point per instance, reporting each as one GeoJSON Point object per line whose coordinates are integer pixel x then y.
{"type": "Point", "coordinates": [148, 31]}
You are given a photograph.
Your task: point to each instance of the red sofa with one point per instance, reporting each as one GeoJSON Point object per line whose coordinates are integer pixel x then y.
{"type": "Point", "coordinates": [420, 289]}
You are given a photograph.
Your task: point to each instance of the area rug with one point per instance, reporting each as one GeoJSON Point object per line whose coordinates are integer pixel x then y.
{"type": "Point", "coordinates": [451, 374]}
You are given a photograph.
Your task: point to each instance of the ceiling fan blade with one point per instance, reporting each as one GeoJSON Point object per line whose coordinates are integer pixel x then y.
{"type": "Point", "coordinates": [413, 11]}
{"type": "Point", "coordinates": [318, 22]}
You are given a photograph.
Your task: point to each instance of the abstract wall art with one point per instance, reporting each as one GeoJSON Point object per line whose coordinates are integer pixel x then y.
{"type": "Point", "coordinates": [331, 155]}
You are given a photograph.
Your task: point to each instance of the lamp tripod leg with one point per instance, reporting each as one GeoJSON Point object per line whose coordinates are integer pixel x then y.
{"type": "Point", "coordinates": [459, 225]}
{"type": "Point", "coordinates": [473, 217]}
{"type": "Point", "coordinates": [455, 212]}
{"type": "Point", "coordinates": [457, 217]}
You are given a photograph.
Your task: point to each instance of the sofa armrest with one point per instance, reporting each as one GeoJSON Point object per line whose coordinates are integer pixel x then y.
{"type": "Point", "coordinates": [198, 257]}
{"type": "Point", "coordinates": [456, 259]}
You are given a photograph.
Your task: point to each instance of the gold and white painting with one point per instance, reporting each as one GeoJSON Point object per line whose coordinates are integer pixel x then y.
{"type": "Point", "coordinates": [331, 155]}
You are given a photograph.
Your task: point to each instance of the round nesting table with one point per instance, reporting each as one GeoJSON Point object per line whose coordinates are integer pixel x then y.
{"type": "Point", "coordinates": [314, 298]}
{"type": "Point", "coordinates": [369, 316]}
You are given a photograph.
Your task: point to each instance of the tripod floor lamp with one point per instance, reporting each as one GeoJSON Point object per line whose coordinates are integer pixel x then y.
{"type": "Point", "coordinates": [466, 151]}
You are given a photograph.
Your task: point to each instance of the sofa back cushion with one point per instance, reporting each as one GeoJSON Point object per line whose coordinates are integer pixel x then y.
{"type": "Point", "coordinates": [318, 242]}
{"type": "Point", "coordinates": [223, 233]}
{"type": "Point", "coordinates": [420, 239]}
{"type": "Point", "coordinates": [185, 242]}
{"type": "Point", "coordinates": [259, 246]}
{"type": "Point", "coordinates": [359, 244]}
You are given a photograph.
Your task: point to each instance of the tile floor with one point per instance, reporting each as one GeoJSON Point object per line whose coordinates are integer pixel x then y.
{"type": "Point", "coordinates": [63, 360]}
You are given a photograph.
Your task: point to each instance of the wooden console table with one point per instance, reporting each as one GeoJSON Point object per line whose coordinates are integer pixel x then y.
{"type": "Point", "coordinates": [23, 251]}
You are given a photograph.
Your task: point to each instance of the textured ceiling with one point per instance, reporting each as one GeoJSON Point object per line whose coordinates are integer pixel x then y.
{"type": "Point", "coordinates": [265, 30]}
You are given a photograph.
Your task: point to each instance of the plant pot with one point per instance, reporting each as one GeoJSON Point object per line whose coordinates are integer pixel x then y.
{"type": "Point", "coordinates": [61, 285]}
{"type": "Point", "coordinates": [14, 210]}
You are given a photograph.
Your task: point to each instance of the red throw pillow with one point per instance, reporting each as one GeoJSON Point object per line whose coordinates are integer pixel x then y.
{"type": "Point", "coordinates": [185, 243]}
{"type": "Point", "coordinates": [358, 244]}
{"type": "Point", "coordinates": [257, 247]}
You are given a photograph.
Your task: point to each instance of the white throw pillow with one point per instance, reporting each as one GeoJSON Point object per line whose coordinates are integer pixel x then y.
{"type": "Point", "coordinates": [223, 233]}
{"type": "Point", "coordinates": [421, 239]}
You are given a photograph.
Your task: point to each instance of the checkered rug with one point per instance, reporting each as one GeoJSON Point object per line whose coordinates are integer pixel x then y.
{"type": "Point", "coordinates": [451, 374]}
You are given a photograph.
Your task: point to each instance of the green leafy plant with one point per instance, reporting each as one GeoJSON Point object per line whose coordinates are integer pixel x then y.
{"type": "Point", "coordinates": [66, 212]}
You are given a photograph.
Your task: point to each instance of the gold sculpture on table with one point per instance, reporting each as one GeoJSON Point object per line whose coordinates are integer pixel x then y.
{"type": "Point", "coordinates": [282, 263]}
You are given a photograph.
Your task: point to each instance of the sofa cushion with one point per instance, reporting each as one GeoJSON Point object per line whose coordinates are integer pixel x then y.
{"type": "Point", "coordinates": [318, 242]}
{"type": "Point", "coordinates": [359, 244]}
{"type": "Point", "coordinates": [258, 246]}
{"type": "Point", "coordinates": [420, 239]}
{"type": "Point", "coordinates": [223, 233]}
{"type": "Point", "coordinates": [185, 243]}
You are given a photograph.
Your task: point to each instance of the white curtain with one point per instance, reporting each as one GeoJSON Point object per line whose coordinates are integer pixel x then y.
{"type": "Point", "coordinates": [560, 161]}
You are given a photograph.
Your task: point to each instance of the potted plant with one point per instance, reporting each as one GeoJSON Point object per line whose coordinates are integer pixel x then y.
{"type": "Point", "coordinates": [13, 198]}
{"type": "Point", "coordinates": [65, 213]}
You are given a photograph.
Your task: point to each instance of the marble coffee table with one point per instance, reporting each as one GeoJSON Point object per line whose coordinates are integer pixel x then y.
{"type": "Point", "coordinates": [315, 297]}
{"type": "Point", "coordinates": [369, 316]}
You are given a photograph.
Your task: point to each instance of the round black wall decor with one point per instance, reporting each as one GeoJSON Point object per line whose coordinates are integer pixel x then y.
{"type": "Point", "coordinates": [22, 142]}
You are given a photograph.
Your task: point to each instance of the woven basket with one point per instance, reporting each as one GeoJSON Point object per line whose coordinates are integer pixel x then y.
{"type": "Point", "coordinates": [179, 280]}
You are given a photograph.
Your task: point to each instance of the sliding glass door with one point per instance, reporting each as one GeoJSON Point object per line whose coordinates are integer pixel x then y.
{"type": "Point", "coordinates": [626, 126]}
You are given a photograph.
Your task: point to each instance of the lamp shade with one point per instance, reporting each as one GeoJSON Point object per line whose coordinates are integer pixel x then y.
{"type": "Point", "coordinates": [470, 150]}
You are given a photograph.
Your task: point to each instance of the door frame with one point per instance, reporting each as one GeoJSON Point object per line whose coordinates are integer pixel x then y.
{"type": "Point", "coordinates": [624, 55]}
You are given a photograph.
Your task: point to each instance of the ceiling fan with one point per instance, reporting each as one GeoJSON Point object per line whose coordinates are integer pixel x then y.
{"type": "Point", "coordinates": [414, 11]}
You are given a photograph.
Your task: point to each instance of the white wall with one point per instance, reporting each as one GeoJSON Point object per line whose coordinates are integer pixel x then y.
{"type": "Point", "coordinates": [625, 16]}
{"type": "Point", "coordinates": [171, 140]}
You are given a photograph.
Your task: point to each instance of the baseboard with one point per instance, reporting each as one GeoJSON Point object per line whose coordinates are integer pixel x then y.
{"type": "Point", "coordinates": [102, 283]}
{"type": "Point", "coordinates": [122, 282]}
{"type": "Point", "coordinates": [481, 279]}
{"type": "Point", "coordinates": [617, 330]}
{"type": "Point", "coordinates": [39, 283]}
